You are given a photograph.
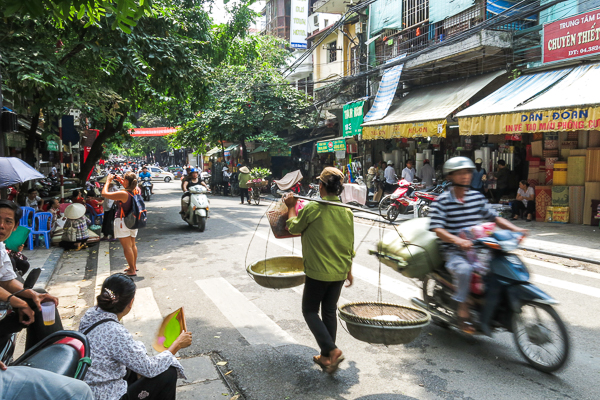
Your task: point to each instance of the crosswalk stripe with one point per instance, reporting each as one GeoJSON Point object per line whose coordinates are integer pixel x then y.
{"type": "Point", "coordinates": [566, 270]}
{"type": "Point", "coordinates": [103, 269]}
{"type": "Point", "coordinates": [253, 324]}
{"type": "Point", "coordinates": [145, 318]}
{"type": "Point", "coordinates": [561, 284]}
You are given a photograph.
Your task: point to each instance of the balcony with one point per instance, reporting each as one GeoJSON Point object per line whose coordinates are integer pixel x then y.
{"type": "Point", "coordinates": [331, 6]}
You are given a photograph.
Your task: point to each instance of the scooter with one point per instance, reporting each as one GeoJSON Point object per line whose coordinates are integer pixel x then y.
{"type": "Point", "coordinates": [501, 299]}
{"type": "Point", "coordinates": [197, 211]}
{"type": "Point", "coordinates": [313, 191]}
{"type": "Point", "coordinates": [146, 188]}
{"type": "Point", "coordinates": [425, 198]}
{"type": "Point", "coordinates": [64, 352]}
{"type": "Point", "coordinates": [398, 202]}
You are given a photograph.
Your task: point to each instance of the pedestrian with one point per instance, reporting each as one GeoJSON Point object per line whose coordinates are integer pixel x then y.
{"type": "Point", "coordinates": [76, 197]}
{"type": "Point", "coordinates": [108, 232]}
{"type": "Point", "coordinates": [525, 201]}
{"type": "Point", "coordinates": [75, 230]}
{"type": "Point", "coordinates": [124, 203]}
{"type": "Point", "coordinates": [427, 174]}
{"type": "Point", "coordinates": [55, 211]}
{"type": "Point", "coordinates": [479, 177]}
{"type": "Point", "coordinates": [408, 173]}
{"type": "Point", "coordinates": [391, 179]}
{"type": "Point", "coordinates": [243, 178]}
{"type": "Point", "coordinates": [371, 174]}
{"type": "Point", "coordinates": [226, 176]}
{"type": "Point", "coordinates": [327, 255]}
{"type": "Point", "coordinates": [114, 350]}
{"type": "Point", "coordinates": [501, 180]}
{"type": "Point", "coordinates": [33, 200]}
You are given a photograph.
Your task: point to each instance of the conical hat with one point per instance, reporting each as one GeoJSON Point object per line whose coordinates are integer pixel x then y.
{"type": "Point", "coordinates": [244, 170]}
{"type": "Point", "coordinates": [75, 211]}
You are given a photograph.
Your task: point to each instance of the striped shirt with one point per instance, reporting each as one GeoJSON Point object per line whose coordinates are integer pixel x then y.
{"type": "Point", "coordinates": [448, 213]}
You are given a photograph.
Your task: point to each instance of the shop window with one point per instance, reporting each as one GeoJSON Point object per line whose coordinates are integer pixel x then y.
{"type": "Point", "coordinates": [332, 50]}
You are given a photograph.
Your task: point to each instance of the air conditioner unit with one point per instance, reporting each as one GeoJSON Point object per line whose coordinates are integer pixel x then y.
{"type": "Point", "coordinates": [358, 27]}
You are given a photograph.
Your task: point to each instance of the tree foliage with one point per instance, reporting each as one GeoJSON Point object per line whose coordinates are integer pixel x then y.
{"type": "Point", "coordinates": [248, 100]}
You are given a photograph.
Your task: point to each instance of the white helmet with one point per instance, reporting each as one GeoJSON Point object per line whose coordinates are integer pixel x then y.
{"type": "Point", "coordinates": [456, 164]}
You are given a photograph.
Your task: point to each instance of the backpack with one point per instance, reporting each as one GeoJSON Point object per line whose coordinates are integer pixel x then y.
{"type": "Point", "coordinates": [137, 217]}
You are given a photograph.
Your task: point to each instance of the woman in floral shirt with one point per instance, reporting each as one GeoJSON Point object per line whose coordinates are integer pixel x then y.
{"type": "Point", "coordinates": [113, 350]}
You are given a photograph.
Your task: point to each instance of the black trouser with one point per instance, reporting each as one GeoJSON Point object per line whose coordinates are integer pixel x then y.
{"type": "Point", "coordinates": [225, 188]}
{"type": "Point", "coordinates": [161, 387]}
{"type": "Point", "coordinates": [389, 188]}
{"type": "Point", "coordinates": [35, 332]}
{"type": "Point", "coordinates": [324, 295]}
{"type": "Point", "coordinates": [518, 205]}
{"type": "Point", "coordinates": [108, 223]}
{"type": "Point", "coordinates": [244, 193]}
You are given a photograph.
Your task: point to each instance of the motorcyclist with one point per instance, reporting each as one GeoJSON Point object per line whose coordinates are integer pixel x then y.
{"type": "Point", "coordinates": [458, 208]}
{"type": "Point", "coordinates": [146, 174]}
{"type": "Point", "coordinates": [193, 180]}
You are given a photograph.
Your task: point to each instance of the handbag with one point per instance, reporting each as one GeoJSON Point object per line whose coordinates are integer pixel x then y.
{"type": "Point", "coordinates": [70, 235]}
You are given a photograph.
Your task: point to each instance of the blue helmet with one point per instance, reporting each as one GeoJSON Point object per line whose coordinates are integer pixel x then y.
{"type": "Point", "coordinates": [192, 170]}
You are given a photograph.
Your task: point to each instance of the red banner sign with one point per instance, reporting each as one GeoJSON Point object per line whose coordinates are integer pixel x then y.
{"type": "Point", "coordinates": [575, 37]}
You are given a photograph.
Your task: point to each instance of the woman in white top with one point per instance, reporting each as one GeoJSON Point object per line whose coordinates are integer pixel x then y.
{"type": "Point", "coordinates": [114, 351]}
{"type": "Point", "coordinates": [525, 201]}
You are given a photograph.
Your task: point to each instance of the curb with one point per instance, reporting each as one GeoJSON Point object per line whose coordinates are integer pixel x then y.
{"type": "Point", "coordinates": [562, 255]}
{"type": "Point", "coordinates": [49, 267]}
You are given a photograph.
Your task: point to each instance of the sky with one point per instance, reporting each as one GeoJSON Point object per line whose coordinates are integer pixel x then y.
{"type": "Point", "coordinates": [220, 15]}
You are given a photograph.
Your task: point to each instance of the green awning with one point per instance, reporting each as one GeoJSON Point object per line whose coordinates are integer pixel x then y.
{"type": "Point", "coordinates": [213, 151]}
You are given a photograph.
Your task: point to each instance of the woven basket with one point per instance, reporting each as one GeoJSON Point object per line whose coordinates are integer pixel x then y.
{"type": "Point", "coordinates": [261, 184]}
{"type": "Point", "coordinates": [277, 221]}
{"type": "Point", "coordinates": [383, 323]}
{"type": "Point", "coordinates": [278, 272]}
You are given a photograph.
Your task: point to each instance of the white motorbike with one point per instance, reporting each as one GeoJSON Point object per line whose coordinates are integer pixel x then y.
{"type": "Point", "coordinates": [197, 212]}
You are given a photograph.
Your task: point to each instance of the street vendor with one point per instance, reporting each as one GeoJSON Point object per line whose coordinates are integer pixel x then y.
{"type": "Point", "coordinates": [327, 259]}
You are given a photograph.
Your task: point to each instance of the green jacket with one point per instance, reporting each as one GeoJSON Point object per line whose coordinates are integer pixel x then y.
{"type": "Point", "coordinates": [243, 180]}
{"type": "Point", "coordinates": [327, 240]}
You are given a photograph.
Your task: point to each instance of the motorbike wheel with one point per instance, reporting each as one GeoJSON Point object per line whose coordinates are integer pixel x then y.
{"type": "Point", "coordinates": [541, 337]}
{"type": "Point", "coordinates": [392, 213]}
{"type": "Point", "coordinates": [429, 285]}
{"type": "Point", "coordinates": [201, 224]}
{"type": "Point", "coordinates": [423, 210]}
{"type": "Point", "coordinates": [257, 200]}
{"type": "Point", "coordinates": [384, 205]}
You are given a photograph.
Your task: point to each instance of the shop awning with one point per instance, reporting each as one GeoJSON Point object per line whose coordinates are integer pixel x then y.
{"type": "Point", "coordinates": [232, 147]}
{"type": "Point", "coordinates": [213, 151]}
{"type": "Point", "coordinates": [423, 112]}
{"type": "Point", "coordinates": [560, 100]}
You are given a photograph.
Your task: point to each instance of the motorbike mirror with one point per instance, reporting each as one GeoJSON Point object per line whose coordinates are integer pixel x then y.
{"type": "Point", "coordinates": [32, 278]}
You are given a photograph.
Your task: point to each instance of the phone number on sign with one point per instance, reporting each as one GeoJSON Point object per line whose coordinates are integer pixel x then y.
{"type": "Point", "coordinates": [591, 49]}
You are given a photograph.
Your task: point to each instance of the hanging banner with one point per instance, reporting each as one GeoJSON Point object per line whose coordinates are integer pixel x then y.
{"type": "Point", "coordinates": [328, 146]}
{"type": "Point", "coordinates": [298, 24]}
{"type": "Point", "coordinates": [537, 121]}
{"type": "Point", "coordinates": [410, 130]}
{"type": "Point", "coordinates": [353, 118]}
{"type": "Point", "coordinates": [386, 92]}
{"type": "Point", "coordinates": [574, 37]}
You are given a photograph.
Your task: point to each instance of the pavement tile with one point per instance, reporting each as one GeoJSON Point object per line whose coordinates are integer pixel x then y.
{"type": "Point", "coordinates": [210, 390]}
{"type": "Point", "coordinates": [198, 369]}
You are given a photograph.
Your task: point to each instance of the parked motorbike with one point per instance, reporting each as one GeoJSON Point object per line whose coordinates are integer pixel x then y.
{"type": "Point", "coordinates": [398, 202]}
{"type": "Point", "coordinates": [197, 211]}
{"type": "Point", "coordinates": [146, 188]}
{"type": "Point", "coordinates": [313, 191]}
{"type": "Point", "coordinates": [64, 352]}
{"type": "Point", "coordinates": [502, 299]}
{"type": "Point", "coordinates": [425, 198]}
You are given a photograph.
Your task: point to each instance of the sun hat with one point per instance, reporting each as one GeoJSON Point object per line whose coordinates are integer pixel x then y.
{"type": "Point", "coordinates": [75, 211]}
{"type": "Point", "coordinates": [244, 170]}
{"type": "Point", "coordinates": [329, 172]}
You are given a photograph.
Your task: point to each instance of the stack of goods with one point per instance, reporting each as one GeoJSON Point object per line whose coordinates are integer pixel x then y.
{"type": "Point", "coordinates": [576, 170]}
{"type": "Point", "coordinates": [534, 168]}
{"type": "Point", "coordinates": [543, 200]}
{"type": "Point", "coordinates": [576, 198]}
{"type": "Point", "coordinates": [550, 169]}
{"type": "Point", "coordinates": [550, 145]}
{"type": "Point", "coordinates": [560, 173]}
{"type": "Point", "coordinates": [559, 210]}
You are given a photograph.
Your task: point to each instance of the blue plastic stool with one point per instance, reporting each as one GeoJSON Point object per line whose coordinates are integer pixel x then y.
{"type": "Point", "coordinates": [42, 221]}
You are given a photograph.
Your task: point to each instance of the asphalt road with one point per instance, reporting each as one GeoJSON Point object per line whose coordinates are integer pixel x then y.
{"type": "Point", "coordinates": [262, 334]}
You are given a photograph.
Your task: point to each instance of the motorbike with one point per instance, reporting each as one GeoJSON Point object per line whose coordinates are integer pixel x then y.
{"type": "Point", "coordinates": [197, 212]}
{"type": "Point", "coordinates": [398, 202]}
{"type": "Point", "coordinates": [425, 198]}
{"type": "Point", "coordinates": [65, 353]}
{"type": "Point", "coordinates": [313, 191]}
{"type": "Point", "coordinates": [146, 188]}
{"type": "Point", "coordinates": [501, 297]}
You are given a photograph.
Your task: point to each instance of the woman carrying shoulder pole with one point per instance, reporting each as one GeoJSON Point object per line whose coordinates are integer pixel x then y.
{"type": "Point", "coordinates": [124, 202]}
{"type": "Point", "coordinates": [327, 251]}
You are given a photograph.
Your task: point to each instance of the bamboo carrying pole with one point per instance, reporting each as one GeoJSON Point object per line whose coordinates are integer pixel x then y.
{"type": "Point", "coordinates": [333, 203]}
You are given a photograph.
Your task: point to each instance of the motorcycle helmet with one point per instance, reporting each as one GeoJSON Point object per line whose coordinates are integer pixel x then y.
{"type": "Point", "coordinates": [192, 170]}
{"type": "Point", "coordinates": [456, 164]}
{"type": "Point", "coordinates": [479, 161]}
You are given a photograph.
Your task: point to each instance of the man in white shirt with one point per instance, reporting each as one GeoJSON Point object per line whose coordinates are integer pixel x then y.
{"type": "Point", "coordinates": [408, 173]}
{"type": "Point", "coordinates": [391, 179]}
{"type": "Point", "coordinates": [33, 200]}
{"type": "Point", "coordinates": [427, 174]}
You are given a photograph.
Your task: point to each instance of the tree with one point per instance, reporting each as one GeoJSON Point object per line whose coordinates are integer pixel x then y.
{"type": "Point", "coordinates": [159, 67]}
{"type": "Point", "coordinates": [249, 99]}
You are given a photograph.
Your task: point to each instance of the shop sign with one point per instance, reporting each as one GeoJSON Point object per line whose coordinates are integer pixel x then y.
{"type": "Point", "coordinates": [329, 146]}
{"type": "Point", "coordinates": [298, 24]}
{"type": "Point", "coordinates": [281, 153]}
{"type": "Point", "coordinates": [409, 130]}
{"type": "Point", "coordinates": [353, 118]}
{"type": "Point", "coordinates": [227, 153]}
{"type": "Point", "coordinates": [514, 138]}
{"type": "Point", "coordinates": [51, 145]}
{"type": "Point", "coordinates": [574, 37]}
{"type": "Point", "coordinates": [564, 120]}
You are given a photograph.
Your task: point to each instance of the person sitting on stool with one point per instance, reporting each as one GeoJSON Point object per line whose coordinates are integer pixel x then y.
{"type": "Point", "coordinates": [524, 201]}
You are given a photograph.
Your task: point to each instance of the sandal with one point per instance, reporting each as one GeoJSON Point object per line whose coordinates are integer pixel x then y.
{"type": "Point", "coordinates": [466, 326]}
{"type": "Point", "coordinates": [332, 369]}
{"type": "Point", "coordinates": [317, 360]}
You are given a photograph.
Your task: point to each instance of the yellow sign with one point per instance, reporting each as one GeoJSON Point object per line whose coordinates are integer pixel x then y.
{"type": "Point", "coordinates": [408, 130]}
{"type": "Point", "coordinates": [537, 121]}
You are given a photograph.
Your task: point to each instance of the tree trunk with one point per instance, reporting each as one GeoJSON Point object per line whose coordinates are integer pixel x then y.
{"type": "Point", "coordinates": [31, 138]}
{"type": "Point", "coordinates": [244, 151]}
{"type": "Point", "coordinates": [98, 147]}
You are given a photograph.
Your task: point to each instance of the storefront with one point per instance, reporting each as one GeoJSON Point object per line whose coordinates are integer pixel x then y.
{"type": "Point", "coordinates": [415, 127]}
{"type": "Point", "coordinates": [555, 115]}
